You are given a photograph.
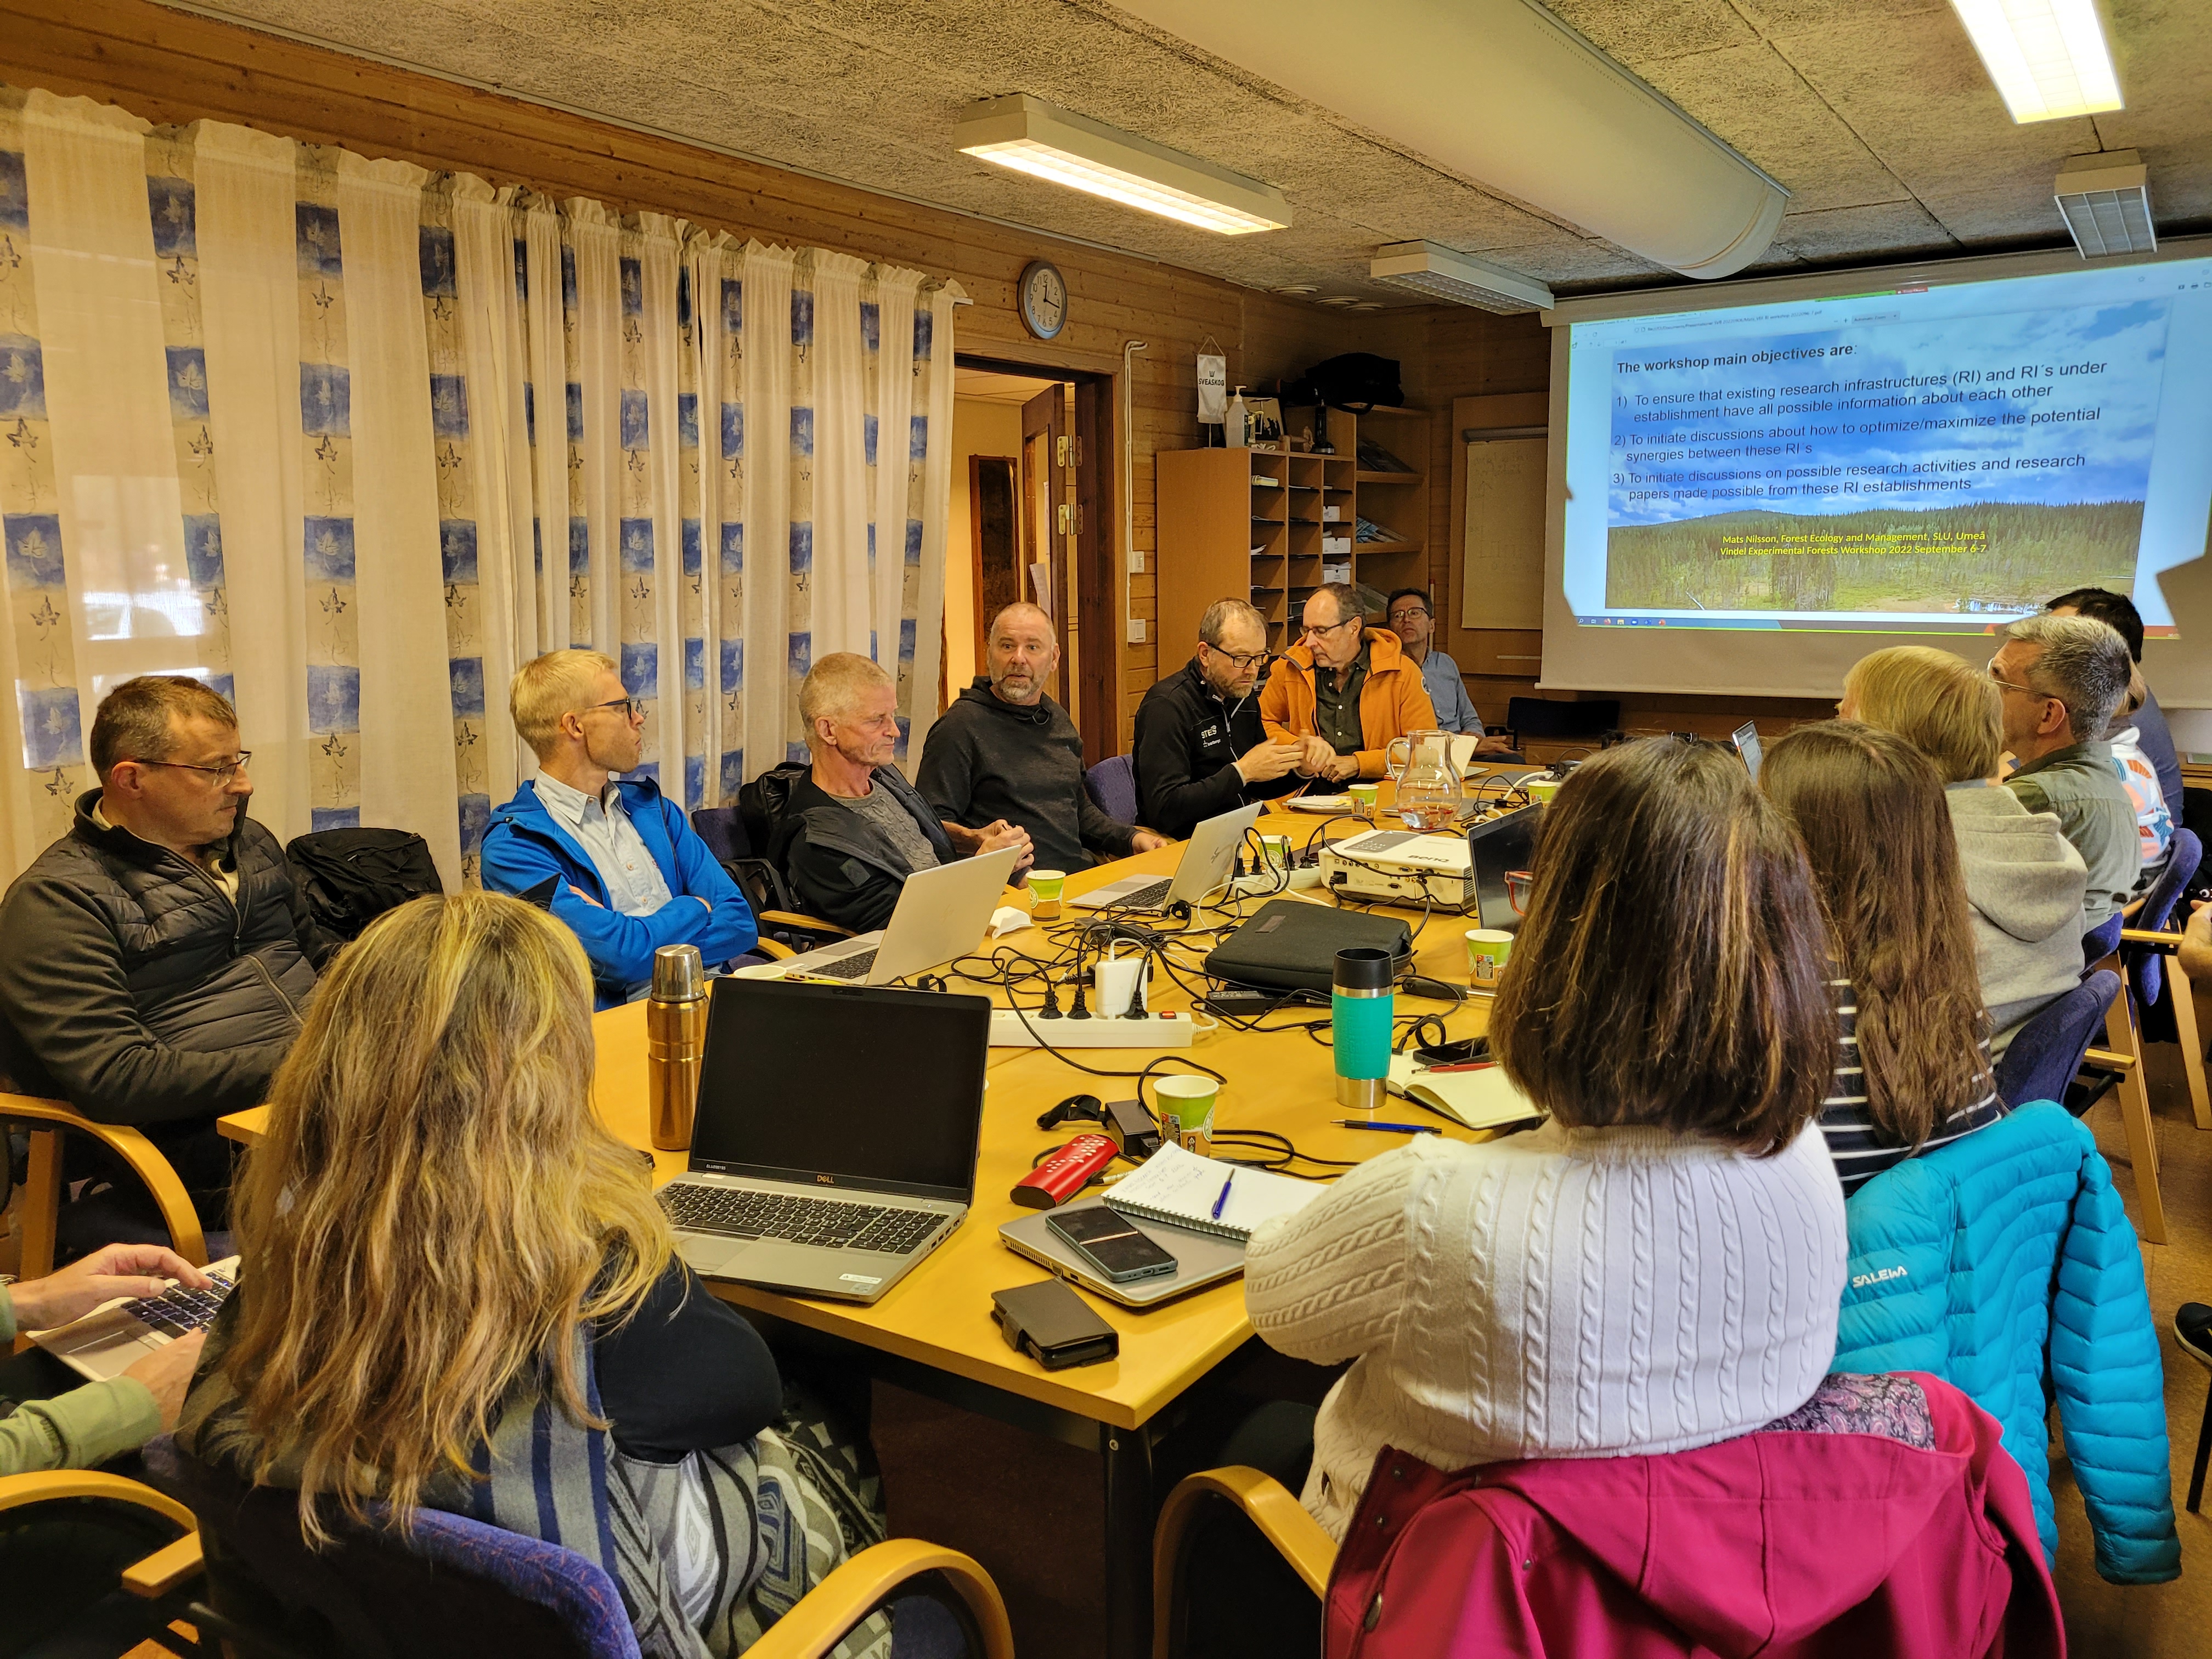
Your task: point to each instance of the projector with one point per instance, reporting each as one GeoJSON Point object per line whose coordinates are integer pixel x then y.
{"type": "Point", "coordinates": [1399, 867]}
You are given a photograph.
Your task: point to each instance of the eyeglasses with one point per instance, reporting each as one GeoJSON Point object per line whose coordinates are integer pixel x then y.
{"type": "Point", "coordinates": [1308, 631]}
{"type": "Point", "coordinates": [222, 771]}
{"type": "Point", "coordinates": [1242, 659]}
{"type": "Point", "coordinates": [1408, 613]}
{"type": "Point", "coordinates": [2015, 685]}
{"type": "Point", "coordinates": [627, 705]}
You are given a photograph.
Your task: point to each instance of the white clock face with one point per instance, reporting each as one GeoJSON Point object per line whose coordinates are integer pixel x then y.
{"type": "Point", "coordinates": [1044, 301]}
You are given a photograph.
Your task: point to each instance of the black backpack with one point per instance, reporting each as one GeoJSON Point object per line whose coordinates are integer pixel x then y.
{"type": "Point", "coordinates": [351, 877]}
{"type": "Point", "coordinates": [761, 803]}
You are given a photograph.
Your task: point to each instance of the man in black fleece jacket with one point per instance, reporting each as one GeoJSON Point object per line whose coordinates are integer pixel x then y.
{"type": "Point", "coordinates": [1200, 748]}
{"type": "Point", "coordinates": [1005, 750]}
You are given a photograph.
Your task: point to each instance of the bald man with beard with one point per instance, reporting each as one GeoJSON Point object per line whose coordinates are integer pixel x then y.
{"type": "Point", "coordinates": [1006, 750]}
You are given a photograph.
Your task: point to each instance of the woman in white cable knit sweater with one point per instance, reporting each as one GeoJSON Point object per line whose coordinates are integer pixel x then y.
{"type": "Point", "coordinates": [1659, 1266]}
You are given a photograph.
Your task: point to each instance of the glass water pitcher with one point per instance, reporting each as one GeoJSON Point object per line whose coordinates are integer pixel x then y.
{"type": "Point", "coordinates": [1428, 784]}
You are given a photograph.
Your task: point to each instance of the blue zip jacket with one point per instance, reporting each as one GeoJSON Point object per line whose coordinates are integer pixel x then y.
{"type": "Point", "coordinates": [1966, 1261]}
{"type": "Point", "coordinates": [525, 844]}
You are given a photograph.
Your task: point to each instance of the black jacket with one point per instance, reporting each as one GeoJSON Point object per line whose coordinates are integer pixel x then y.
{"type": "Point", "coordinates": [143, 992]}
{"type": "Point", "coordinates": [1187, 742]}
{"type": "Point", "coordinates": [841, 869]}
{"type": "Point", "coordinates": [987, 759]}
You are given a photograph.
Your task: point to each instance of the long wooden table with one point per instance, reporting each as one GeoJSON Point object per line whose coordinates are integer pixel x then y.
{"type": "Point", "coordinates": [934, 1332]}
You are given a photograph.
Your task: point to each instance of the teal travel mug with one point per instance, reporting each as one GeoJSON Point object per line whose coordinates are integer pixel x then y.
{"type": "Point", "coordinates": [1360, 1011]}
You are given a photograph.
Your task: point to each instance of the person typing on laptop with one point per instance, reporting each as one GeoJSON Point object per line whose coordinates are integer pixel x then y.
{"type": "Point", "coordinates": [1201, 749]}
{"type": "Point", "coordinates": [52, 1425]}
{"type": "Point", "coordinates": [633, 874]}
{"type": "Point", "coordinates": [854, 829]}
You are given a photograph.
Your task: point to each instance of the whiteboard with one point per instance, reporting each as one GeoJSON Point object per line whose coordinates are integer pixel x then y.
{"type": "Point", "coordinates": [1501, 583]}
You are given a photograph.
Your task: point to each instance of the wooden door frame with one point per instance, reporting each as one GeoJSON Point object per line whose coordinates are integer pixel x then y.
{"type": "Point", "coordinates": [1045, 417]}
{"type": "Point", "coordinates": [1101, 587]}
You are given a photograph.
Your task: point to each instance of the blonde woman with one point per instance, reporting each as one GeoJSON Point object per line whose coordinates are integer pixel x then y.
{"type": "Point", "coordinates": [2025, 881]}
{"type": "Point", "coordinates": [447, 1257]}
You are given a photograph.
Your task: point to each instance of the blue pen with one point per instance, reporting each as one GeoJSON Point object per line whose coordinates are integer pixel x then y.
{"type": "Point", "coordinates": [1224, 1199]}
{"type": "Point", "coordinates": [1388, 1129]}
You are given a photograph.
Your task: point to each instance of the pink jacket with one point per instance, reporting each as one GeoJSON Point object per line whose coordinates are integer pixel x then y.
{"type": "Point", "coordinates": [1882, 1517]}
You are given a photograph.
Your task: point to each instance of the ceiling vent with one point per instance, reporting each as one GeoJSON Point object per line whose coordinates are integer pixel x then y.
{"type": "Point", "coordinates": [2106, 200]}
{"type": "Point", "coordinates": [1443, 275]}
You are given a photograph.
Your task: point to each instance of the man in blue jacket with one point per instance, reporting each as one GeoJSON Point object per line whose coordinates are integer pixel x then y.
{"type": "Point", "coordinates": [632, 873]}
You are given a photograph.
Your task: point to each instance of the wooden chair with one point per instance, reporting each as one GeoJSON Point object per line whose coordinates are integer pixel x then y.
{"type": "Point", "coordinates": [50, 1122]}
{"type": "Point", "coordinates": [1266, 1502]}
{"type": "Point", "coordinates": [161, 1578]}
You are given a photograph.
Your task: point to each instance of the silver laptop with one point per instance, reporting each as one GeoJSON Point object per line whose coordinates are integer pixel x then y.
{"type": "Point", "coordinates": [1201, 1259]}
{"type": "Point", "coordinates": [941, 913]}
{"type": "Point", "coordinates": [1208, 859]}
{"type": "Point", "coordinates": [834, 1143]}
{"type": "Point", "coordinates": [107, 1341]}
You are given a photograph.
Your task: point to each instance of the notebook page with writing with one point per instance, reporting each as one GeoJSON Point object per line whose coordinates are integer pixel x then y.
{"type": "Point", "coordinates": [1179, 1187]}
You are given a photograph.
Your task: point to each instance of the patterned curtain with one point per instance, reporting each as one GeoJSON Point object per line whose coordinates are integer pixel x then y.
{"type": "Point", "coordinates": [270, 415]}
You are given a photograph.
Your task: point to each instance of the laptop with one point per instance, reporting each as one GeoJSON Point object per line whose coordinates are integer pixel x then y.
{"type": "Point", "coordinates": [109, 1340]}
{"type": "Point", "coordinates": [1201, 1259]}
{"type": "Point", "coordinates": [1209, 858]}
{"type": "Point", "coordinates": [834, 1138]}
{"type": "Point", "coordinates": [941, 913]}
{"type": "Point", "coordinates": [1496, 846]}
{"type": "Point", "coordinates": [1745, 739]}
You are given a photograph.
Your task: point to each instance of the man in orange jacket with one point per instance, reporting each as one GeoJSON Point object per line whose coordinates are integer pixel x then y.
{"type": "Point", "coordinates": [1344, 690]}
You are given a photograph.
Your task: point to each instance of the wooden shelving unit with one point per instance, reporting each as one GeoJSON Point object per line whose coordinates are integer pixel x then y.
{"type": "Point", "coordinates": [1263, 523]}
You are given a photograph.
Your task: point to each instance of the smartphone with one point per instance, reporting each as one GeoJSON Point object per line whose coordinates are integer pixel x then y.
{"type": "Point", "coordinates": [1110, 1242]}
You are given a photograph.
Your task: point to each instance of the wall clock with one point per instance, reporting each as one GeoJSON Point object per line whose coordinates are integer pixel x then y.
{"type": "Point", "coordinates": [1042, 293]}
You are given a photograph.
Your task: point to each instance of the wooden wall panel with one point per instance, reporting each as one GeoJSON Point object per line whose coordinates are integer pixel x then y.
{"type": "Point", "coordinates": [170, 66]}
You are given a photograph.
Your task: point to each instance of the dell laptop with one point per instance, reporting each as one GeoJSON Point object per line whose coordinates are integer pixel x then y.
{"type": "Point", "coordinates": [941, 913]}
{"type": "Point", "coordinates": [834, 1143]}
{"type": "Point", "coordinates": [1209, 858]}
{"type": "Point", "coordinates": [107, 1341]}
{"type": "Point", "coordinates": [1745, 739]}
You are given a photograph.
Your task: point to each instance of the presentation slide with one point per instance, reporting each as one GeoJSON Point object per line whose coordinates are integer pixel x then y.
{"type": "Point", "coordinates": [1932, 459]}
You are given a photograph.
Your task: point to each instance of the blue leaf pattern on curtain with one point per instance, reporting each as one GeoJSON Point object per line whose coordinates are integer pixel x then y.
{"type": "Point", "coordinates": [605, 441]}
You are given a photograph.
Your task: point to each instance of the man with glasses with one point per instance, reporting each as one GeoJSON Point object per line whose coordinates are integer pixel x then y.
{"type": "Point", "coordinates": [854, 829]}
{"type": "Point", "coordinates": [629, 872]}
{"type": "Point", "coordinates": [159, 956]}
{"type": "Point", "coordinates": [2061, 678]}
{"type": "Point", "coordinates": [1344, 690]}
{"type": "Point", "coordinates": [1201, 749]}
{"type": "Point", "coordinates": [1411, 620]}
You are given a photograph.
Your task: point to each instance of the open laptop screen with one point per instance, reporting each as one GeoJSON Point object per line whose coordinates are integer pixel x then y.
{"type": "Point", "coordinates": [1746, 739]}
{"type": "Point", "coordinates": [839, 1086]}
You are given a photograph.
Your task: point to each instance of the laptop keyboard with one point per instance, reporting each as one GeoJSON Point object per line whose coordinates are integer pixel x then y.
{"type": "Point", "coordinates": [740, 1213]}
{"type": "Point", "coordinates": [1145, 898]}
{"type": "Point", "coordinates": [180, 1312]}
{"type": "Point", "coordinates": [856, 966]}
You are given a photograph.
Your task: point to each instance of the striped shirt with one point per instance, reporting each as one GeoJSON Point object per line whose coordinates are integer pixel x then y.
{"type": "Point", "coordinates": [1855, 1142]}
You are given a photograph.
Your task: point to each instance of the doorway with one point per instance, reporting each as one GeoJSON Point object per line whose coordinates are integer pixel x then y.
{"type": "Point", "coordinates": [1032, 488]}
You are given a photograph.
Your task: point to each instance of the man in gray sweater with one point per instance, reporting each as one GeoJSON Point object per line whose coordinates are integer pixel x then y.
{"type": "Point", "coordinates": [1006, 751]}
{"type": "Point", "coordinates": [2062, 677]}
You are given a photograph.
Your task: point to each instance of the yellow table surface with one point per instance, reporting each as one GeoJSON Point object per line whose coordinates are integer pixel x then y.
{"type": "Point", "coordinates": [940, 1314]}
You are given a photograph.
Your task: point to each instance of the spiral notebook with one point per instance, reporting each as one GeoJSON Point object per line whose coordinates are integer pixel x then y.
{"type": "Point", "coordinates": [1180, 1187]}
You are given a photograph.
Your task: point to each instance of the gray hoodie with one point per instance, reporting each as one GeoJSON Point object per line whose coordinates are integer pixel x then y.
{"type": "Point", "coordinates": [2025, 881]}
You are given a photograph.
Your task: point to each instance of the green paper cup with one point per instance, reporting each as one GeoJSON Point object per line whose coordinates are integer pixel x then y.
{"type": "Point", "coordinates": [1487, 951]}
{"type": "Point", "coordinates": [1186, 1110]}
{"type": "Point", "coordinates": [1044, 891]}
{"type": "Point", "coordinates": [1541, 789]}
{"type": "Point", "coordinates": [1277, 851]}
{"type": "Point", "coordinates": [1364, 797]}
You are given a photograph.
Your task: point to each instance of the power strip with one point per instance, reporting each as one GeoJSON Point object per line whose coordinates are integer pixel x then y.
{"type": "Point", "coordinates": [1008, 1030]}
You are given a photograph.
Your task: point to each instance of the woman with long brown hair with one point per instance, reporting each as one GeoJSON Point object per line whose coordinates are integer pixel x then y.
{"type": "Point", "coordinates": [1914, 1072]}
{"type": "Point", "coordinates": [456, 1291]}
{"type": "Point", "coordinates": [1659, 1266]}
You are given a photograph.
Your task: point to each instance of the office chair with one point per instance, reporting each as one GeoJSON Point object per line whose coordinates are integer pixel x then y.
{"type": "Point", "coordinates": [785, 931]}
{"type": "Point", "coordinates": [2192, 1333]}
{"type": "Point", "coordinates": [457, 1589]}
{"type": "Point", "coordinates": [1269, 1505]}
{"type": "Point", "coordinates": [1112, 787]}
{"type": "Point", "coordinates": [155, 1588]}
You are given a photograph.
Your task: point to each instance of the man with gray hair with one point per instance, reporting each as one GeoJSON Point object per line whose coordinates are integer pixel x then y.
{"type": "Point", "coordinates": [1201, 749]}
{"type": "Point", "coordinates": [2061, 677]}
{"type": "Point", "coordinates": [854, 829]}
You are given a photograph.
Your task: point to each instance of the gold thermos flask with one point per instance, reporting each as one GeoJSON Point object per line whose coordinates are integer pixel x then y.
{"type": "Point", "coordinates": [674, 1042]}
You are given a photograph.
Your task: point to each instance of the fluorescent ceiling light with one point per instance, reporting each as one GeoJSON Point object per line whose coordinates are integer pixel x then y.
{"type": "Point", "coordinates": [2105, 202]}
{"type": "Point", "coordinates": [1032, 136]}
{"type": "Point", "coordinates": [2048, 58]}
{"type": "Point", "coordinates": [1428, 268]}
